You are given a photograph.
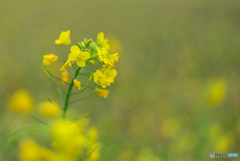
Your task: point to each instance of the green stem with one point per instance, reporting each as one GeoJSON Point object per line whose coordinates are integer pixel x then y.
{"type": "Point", "coordinates": [82, 98]}
{"type": "Point", "coordinates": [54, 75]}
{"type": "Point", "coordinates": [38, 119]}
{"type": "Point", "coordinates": [68, 93]}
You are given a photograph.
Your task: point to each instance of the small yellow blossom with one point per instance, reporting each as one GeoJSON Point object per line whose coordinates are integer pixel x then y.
{"type": "Point", "coordinates": [94, 156]}
{"type": "Point", "coordinates": [21, 101]}
{"type": "Point", "coordinates": [66, 65]}
{"type": "Point", "coordinates": [77, 84]}
{"type": "Point", "coordinates": [64, 38]}
{"type": "Point", "coordinates": [28, 150]}
{"type": "Point", "coordinates": [79, 56]}
{"type": "Point", "coordinates": [48, 59]}
{"type": "Point", "coordinates": [224, 143]}
{"type": "Point", "coordinates": [62, 131]}
{"type": "Point", "coordinates": [102, 92]}
{"type": "Point", "coordinates": [65, 76]}
{"type": "Point", "coordinates": [106, 58]}
{"type": "Point", "coordinates": [217, 93]}
{"type": "Point", "coordinates": [104, 77]}
{"type": "Point", "coordinates": [102, 42]}
{"type": "Point", "coordinates": [47, 109]}
{"type": "Point", "coordinates": [116, 45]}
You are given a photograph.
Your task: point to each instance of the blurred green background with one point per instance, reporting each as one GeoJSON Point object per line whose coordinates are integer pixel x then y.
{"type": "Point", "coordinates": [177, 92]}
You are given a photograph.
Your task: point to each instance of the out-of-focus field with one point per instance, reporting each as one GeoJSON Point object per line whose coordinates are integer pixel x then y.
{"type": "Point", "coordinates": [177, 92]}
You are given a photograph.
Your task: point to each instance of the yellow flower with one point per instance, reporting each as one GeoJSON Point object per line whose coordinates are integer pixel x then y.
{"type": "Point", "coordinates": [102, 92]}
{"type": "Point", "coordinates": [79, 56]}
{"type": "Point", "coordinates": [47, 109]}
{"type": "Point", "coordinates": [28, 150]}
{"type": "Point", "coordinates": [106, 58]}
{"type": "Point", "coordinates": [217, 93]}
{"type": "Point", "coordinates": [104, 77]}
{"type": "Point", "coordinates": [94, 156]}
{"type": "Point", "coordinates": [66, 65]}
{"type": "Point", "coordinates": [48, 59]}
{"type": "Point", "coordinates": [77, 84]}
{"type": "Point", "coordinates": [67, 137]}
{"type": "Point", "coordinates": [21, 101]}
{"type": "Point", "coordinates": [102, 42]}
{"type": "Point", "coordinates": [65, 76]}
{"type": "Point", "coordinates": [64, 38]}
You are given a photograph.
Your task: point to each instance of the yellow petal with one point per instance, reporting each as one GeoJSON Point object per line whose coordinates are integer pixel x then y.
{"type": "Point", "coordinates": [100, 37]}
{"type": "Point", "coordinates": [66, 65]}
{"type": "Point", "coordinates": [65, 76]}
{"type": "Point", "coordinates": [46, 62]}
{"type": "Point", "coordinates": [47, 109]}
{"type": "Point", "coordinates": [72, 57]}
{"type": "Point", "coordinates": [81, 63]}
{"type": "Point", "coordinates": [77, 84]}
{"type": "Point", "coordinates": [75, 49]}
{"type": "Point", "coordinates": [85, 55]}
{"type": "Point", "coordinates": [102, 92]}
{"type": "Point", "coordinates": [58, 41]}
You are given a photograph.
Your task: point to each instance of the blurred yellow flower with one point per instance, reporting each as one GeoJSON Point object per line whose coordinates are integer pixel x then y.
{"type": "Point", "coordinates": [21, 101]}
{"type": "Point", "coordinates": [115, 44]}
{"type": "Point", "coordinates": [48, 59]}
{"type": "Point", "coordinates": [65, 76]}
{"type": "Point", "coordinates": [79, 56]}
{"type": "Point", "coordinates": [66, 65]}
{"type": "Point", "coordinates": [67, 138]}
{"type": "Point", "coordinates": [102, 42]}
{"type": "Point", "coordinates": [28, 150]}
{"type": "Point", "coordinates": [223, 143]}
{"type": "Point", "coordinates": [64, 38]}
{"type": "Point", "coordinates": [47, 109]}
{"type": "Point", "coordinates": [77, 84]}
{"type": "Point", "coordinates": [217, 93]}
{"type": "Point", "coordinates": [94, 156]}
{"type": "Point", "coordinates": [92, 136]}
{"type": "Point", "coordinates": [104, 77]}
{"type": "Point", "coordinates": [102, 92]}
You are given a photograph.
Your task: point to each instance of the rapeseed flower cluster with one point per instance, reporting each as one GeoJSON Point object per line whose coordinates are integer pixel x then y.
{"type": "Point", "coordinates": [70, 140]}
{"type": "Point", "coordinates": [87, 52]}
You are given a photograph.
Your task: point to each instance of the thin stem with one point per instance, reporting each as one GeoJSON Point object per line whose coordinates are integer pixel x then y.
{"type": "Point", "coordinates": [88, 70]}
{"type": "Point", "coordinates": [88, 87]}
{"type": "Point", "coordinates": [53, 81]}
{"type": "Point", "coordinates": [82, 98]}
{"type": "Point", "coordinates": [86, 116]}
{"type": "Point", "coordinates": [92, 65]}
{"type": "Point", "coordinates": [60, 97]}
{"type": "Point", "coordinates": [54, 103]}
{"type": "Point", "coordinates": [68, 93]}
{"type": "Point", "coordinates": [81, 90]}
{"type": "Point", "coordinates": [61, 60]}
{"type": "Point", "coordinates": [39, 119]}
{"type": "Point", "coordinates": [87, 155]}
{"type": "Point", "coordinates": [84, 74]}
{"type": "Point", "coordinates": [55, 76]}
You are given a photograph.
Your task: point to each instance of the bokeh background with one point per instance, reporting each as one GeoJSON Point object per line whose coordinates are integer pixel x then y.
{"type": "Point", "coordinates": [177, 93]}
